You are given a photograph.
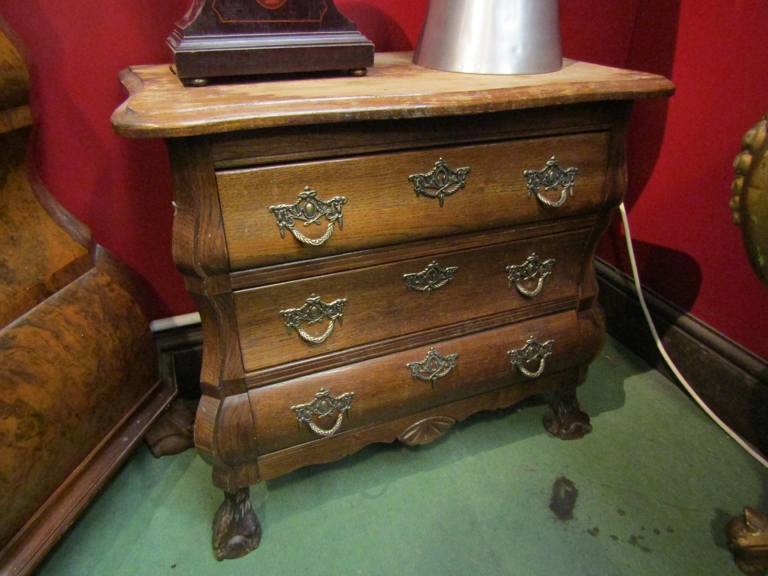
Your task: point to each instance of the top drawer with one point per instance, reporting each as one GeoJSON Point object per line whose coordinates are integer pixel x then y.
{"type": "Point", "coordinates": [371, 201]}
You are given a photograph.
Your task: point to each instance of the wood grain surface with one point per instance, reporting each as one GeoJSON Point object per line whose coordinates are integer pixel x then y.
{"type": "Point", "coordinates": [70, 373]}
{"type": "Point", "coordinates": [385, 389]}
{"type": "Point", "coordinates": [160, 106]}
{"type": "Point", "coordinates": [380, 305]}
{"type": "Point", "coordinates": [326, 450]}
{"type": "Point", "coordinates": [27, 229]}
{"type": "Point", "coordinates": [318, 451]}
{"type": "Point", "coordinates": [382, 207]}
{"type": "Point", "coordinates": [31, 221]}
{"type": "Point", "coordinates": [283, 145]}
{"type": "Point", "coordinates": [79, 377]}
{"type": "Point", "coordinates": [14, 77]}
{"type": "Point", "coordinates": [298, 270]}
{"type": "Point", "coordinates": [239, 149]}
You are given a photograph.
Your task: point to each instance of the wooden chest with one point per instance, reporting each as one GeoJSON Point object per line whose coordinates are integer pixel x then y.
{"type": "Point", "coordinates": [376, 258]}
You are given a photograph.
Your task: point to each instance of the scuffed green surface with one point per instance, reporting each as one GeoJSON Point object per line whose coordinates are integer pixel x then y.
{"type": "Point", "coordinates": [657, 481]}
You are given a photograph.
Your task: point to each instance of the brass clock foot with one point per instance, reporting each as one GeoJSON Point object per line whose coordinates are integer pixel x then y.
{"type": "Point", "coordinates": [195, 82]}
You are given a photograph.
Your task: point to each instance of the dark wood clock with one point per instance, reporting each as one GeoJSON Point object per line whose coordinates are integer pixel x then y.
{"type": "Point", "coordinates": [218, 38]}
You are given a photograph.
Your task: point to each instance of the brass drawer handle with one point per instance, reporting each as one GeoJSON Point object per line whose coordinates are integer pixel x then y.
{"type": "Point", "coordinates": [322, 406]}
{"type": "Point", "coordinates": [309, 209]}
{"type": "Point", "coordinates": [551, 177]}
{"type": "Point", "coordinates": [530, 352]}
{"type": "Point", "coordinates": [431, 278]}
{"type": "Point", "coordinates": [434, 366]}
{"type": "Point", "coordinates": [533, 268]}
{"type": "Point", "coordinates": [440, 182]}
{"type": "Point", "coordinates": [312, 312]}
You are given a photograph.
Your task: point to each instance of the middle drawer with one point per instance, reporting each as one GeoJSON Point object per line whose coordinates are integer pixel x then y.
{"type": "Point", "coordinates": [315, 316]}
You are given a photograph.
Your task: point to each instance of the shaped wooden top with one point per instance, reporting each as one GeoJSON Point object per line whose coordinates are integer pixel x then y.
{"type": "Point", "coordinates": [159, 106]}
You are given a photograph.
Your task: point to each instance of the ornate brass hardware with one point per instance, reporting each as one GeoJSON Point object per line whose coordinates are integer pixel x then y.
{"type": "Point", "coordinates": [440, 182]}
{"type": "Point", "coordinates": [530, 352]}
{"type": "Point", "coordinates": [312, 312]}
{"type": "Point", "coordinates": [531, 269]}
{"type": "Point", "coordinates": [551, 177]}
{"type": "Point", "coordinates": [434, 366]}
{"type": "Point", "coordinates": [309, 209]}
{"type": "Point", "coordinates": [749, 203]}
{"type": "Point", "coordinates": [322, 407]}
{"type": "Point", "coordinates": [431, 278]}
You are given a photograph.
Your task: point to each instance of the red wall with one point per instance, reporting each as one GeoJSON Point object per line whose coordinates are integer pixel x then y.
{"type": "Point", "coordinates": [688, 249]}
{"type": "Point", "coordinates": [680, 153]}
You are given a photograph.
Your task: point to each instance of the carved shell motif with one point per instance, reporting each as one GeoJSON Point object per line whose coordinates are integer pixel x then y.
{"type": "Point", "coordinates": [425, 431]}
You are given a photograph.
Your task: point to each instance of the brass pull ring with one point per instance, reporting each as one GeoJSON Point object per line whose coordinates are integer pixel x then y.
{"type": "Point", "coordinates": [313, 241]}
{"type": "Point", "coordinates": [532, 268]}
{"type": "Point", "coordinates": [312, 312]}
{"type": "Point", "coordinates": [530, 293]}
{"type": "Point", "coordinates": [440, 182]}
{"type": "Point", "coordinates": [551, 177]}
{"type": "Point", "coordinates": [309, 209]}
{"type": "Point", "coordinates": [530, 352]}
{"type": "Point", "coordinates": [315, 339]}
{"type": "Point", "coordinates": [325, 433]}
{"type": "Point", "coordinates": [322, 406]}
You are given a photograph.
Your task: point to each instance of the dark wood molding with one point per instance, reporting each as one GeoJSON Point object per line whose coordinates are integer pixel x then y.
{"type": "Point", "coordinates": [79, 384]}
{"type": "Point", "coordinates": [30, 544]}
{"type": "Point", "coordinates": [732, 380]}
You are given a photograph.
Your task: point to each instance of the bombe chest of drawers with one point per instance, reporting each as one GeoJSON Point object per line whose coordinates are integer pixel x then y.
{"type": "Point", "coordinates": [376, 258]}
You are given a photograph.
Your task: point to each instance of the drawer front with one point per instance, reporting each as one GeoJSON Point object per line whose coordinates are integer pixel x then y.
{"type": "Point", "coordinates": [294, 212]}
{"type": "Point", "coordinates": [385, 388]}
{"type": "Point", "coordinates": [283, 322]}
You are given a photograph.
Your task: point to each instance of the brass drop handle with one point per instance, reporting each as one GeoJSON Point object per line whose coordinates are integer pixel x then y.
{"type": "Point", "coordinates": [440, 182]}
{"type": "Point", "coordinates": [551, 177]}
{"type": "Point", "coordinates": [434, 366]}
{"type": "Point", "coordinates": [323, 406]}
{"type": "Point", "coordinates": [530, 352]}
{"type": "Point", "coordinates": [313, 311]}
{"type": "Point", "coordinates": [521, 275]}
{"type": "Point", "coordinates": [309, 209]}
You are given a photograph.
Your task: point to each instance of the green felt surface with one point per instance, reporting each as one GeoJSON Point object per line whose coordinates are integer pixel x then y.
{"type": "Point", "coordinates": [656, 481]}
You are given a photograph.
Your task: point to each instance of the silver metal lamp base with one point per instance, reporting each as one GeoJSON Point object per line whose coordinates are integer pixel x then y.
{"type": "Point", "coordinates": [491, 37]}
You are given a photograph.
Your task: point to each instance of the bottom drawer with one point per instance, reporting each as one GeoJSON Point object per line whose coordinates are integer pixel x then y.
{"type": "Point", "coordinates": [390, 387]}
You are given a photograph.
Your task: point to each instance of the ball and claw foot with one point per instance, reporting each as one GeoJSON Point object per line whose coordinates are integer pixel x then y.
{"type": "Point", "coordinates": [236, 529]}
{"type": "Point", "coordinates": [565, 418]}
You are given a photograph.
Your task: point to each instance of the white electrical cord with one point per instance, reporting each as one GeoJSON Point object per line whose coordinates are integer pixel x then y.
{"type": "Point", "coordinates": [743, 443]}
